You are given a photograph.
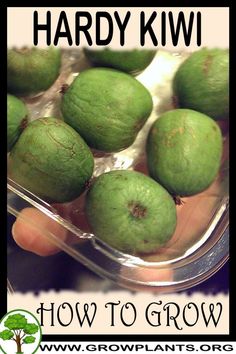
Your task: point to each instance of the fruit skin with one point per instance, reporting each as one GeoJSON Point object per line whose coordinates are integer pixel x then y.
{"type": "Point", "coordinates": [51, 160]}
{"type": "Point", "coordinates": [16, 119]}
{"type": "Point", "coordinates": [107, 108]}
{"type": "Point", "coordinates": [184, 149]}
{"type": "Point", "coordinates": [32, 70]}
{"type": "Point", "coordinates": [202, 82]}
{"type": "Point", "coordinates": [131, 61]}
{"type": "Point", "coordinates": [130, 211]}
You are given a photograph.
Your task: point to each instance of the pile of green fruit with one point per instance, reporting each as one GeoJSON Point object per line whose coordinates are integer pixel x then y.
{"type": "Point", "coordinates": [104, 108]}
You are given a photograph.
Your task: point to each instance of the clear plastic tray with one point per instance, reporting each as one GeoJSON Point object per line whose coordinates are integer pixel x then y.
{"type": "Point", "coordinates": [200, 245]}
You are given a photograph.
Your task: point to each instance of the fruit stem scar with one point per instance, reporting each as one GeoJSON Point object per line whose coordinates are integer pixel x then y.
{"type": "Point", "coordinates": [64, 88]}
{"type": "Point", "coordinates": [138, 211]}
{"type": "Point", "coordinates": [88, 184]}
{"type": "Point", "coordinates": [178, 200]}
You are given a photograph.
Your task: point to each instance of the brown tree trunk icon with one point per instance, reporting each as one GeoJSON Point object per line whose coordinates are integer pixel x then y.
{"type": "Point", "coordinates": [18, 343]}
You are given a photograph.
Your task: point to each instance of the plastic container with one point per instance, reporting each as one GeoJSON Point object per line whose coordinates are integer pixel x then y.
{"type": "Point", "coordinates": [200, 245]}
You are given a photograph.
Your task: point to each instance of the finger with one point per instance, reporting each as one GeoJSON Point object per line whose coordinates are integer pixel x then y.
{"type": "Point", "coordinates": [29, 232]}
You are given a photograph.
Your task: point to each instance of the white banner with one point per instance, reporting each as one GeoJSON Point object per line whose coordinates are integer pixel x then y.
{"type": "Point", "coordinates": [122, 312]}
{"type": "Point", "coordinates": [159, 27]}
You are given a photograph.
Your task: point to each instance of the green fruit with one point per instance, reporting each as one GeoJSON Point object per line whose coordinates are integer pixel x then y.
{"type": "Point", "coordinates": [202, 82]}
{"type": "Point", "coordinates": [107, 107]}
{"type": "Point", "coordinates": [184, 149]}
{"type": "Point", "coordinates": [130, 61]}
{"type": "Point", "coordinates": [16, 119]}
{"type": "Point", "coordinates": [32, 70]}
{"type": "Point", "coordinates": [51, 160]}
{"type": "Point", "coordinates": [130, 211]}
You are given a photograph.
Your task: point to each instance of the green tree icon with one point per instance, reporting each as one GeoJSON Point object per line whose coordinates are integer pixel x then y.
{"type": "Point", "coordinates": [19, 330]}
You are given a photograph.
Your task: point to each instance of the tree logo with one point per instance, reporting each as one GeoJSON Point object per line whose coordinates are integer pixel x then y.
{"type": "Point", "coordinates": [20, 332]}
